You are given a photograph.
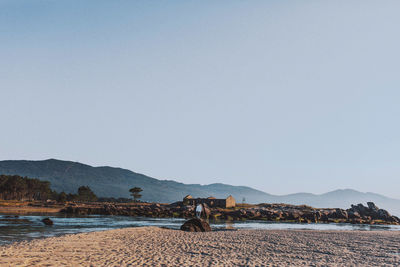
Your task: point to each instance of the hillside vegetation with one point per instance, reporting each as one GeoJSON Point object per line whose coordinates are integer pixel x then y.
{"type": "Point", "coordinates": [67, 176]}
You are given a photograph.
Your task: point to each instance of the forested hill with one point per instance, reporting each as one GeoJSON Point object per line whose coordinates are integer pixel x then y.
{"type": "Point", "coordinates": [68, 176]}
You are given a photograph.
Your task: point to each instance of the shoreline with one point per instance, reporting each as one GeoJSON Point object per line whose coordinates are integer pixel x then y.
{"type": "Point", "coordinates": [359, 214]}
{"type": "Point", "coordinates": [33, 228]}
{"type": "Point", "coordinates": [157, 246]}
{"type": "Point", "coordinates": [16, 207]}
{"type": "Point", "coordinates": [215, 230]}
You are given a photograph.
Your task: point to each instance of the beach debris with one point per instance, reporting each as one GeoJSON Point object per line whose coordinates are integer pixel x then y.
{"type": "Point", "coordinates": [196, 225]}
{"type": "Point", "coordinates": [47, 221]}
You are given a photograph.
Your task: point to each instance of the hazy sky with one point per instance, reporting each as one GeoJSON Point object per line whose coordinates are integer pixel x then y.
{"type": "Point", "coordinates": [283, 96]}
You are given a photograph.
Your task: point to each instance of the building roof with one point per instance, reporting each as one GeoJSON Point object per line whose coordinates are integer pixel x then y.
{"type": "Point", "coordinates": [190, 197]}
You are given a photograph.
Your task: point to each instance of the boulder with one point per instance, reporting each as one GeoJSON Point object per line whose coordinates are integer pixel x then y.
{"type": "Point", "coordinates": [206, 211]}
{"type": "Point", "coordinates": [47, 221]}
{"type": "Point", "coordinates": [383, 214]}
{"type": "Point", "coordinates": [356, 221]}
{"type": "Point", "coordinates": [396, 219]}
{"type": "Point", "coordinates": [318, 214]}
{"type": "Point", "coordinates": [370, 213]}
{"type": "Point", "coordinates": [309, 217]}
{"type": "Point", "coordinates": [372, 206]}
{"type": "Point", "coordinates": [353, 214]}
{"type": "Point", "coordinates": [253, 213]}
{"type": "Point", "coordinates": [196, 225]}
{"type": "Point", "coordinates": [292, 215]}
{"type": "Point", "coordinates": [340, 214]}
{"type": "Point", "coordinates": [360, 209]}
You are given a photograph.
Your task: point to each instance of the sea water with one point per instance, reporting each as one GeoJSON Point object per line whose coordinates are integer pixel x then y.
{"type": "Point", "coordinates": [27, 227]}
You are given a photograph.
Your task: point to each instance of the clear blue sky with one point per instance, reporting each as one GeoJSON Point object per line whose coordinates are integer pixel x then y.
{"type": "Point", "coordinates": [283, 96]}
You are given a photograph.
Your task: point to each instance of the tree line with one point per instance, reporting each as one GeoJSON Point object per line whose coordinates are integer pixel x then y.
{"type": "Point", "coordinates": [15, 187]}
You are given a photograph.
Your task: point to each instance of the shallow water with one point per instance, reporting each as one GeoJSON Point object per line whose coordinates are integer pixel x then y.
{"type": "Point", "coordinates": [28, 227]}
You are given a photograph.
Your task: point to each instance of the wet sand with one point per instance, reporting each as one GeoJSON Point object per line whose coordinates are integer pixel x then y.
{"type": "Point", "coordinates": [15, 207]}
{"type": "Point", "coordinates": [151, 246]}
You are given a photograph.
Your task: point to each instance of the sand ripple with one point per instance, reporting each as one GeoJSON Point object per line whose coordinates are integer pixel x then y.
{"type": "Point", "coordinates": [151, 246]}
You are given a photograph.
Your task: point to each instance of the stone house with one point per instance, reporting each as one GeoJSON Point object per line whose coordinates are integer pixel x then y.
{"type": "Point", "coordinates": [211, 202]}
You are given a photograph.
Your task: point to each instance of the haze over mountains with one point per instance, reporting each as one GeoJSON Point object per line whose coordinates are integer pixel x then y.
{"type": "Point", "coordinates": [67, 176]}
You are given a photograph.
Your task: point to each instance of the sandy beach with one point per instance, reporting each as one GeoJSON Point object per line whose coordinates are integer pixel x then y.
{"type": "Point", "coordinates": [151, 246]}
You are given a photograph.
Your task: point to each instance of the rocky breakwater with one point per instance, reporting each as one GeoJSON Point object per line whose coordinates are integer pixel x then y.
{"type": "Point", "coordinates": [357, 214]}
{"type": "Point", "coordinates": [155, 210]}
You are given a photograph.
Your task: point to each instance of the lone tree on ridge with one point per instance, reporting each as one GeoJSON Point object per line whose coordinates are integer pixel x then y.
{"type": "Point", "coordinates": [135, 192]}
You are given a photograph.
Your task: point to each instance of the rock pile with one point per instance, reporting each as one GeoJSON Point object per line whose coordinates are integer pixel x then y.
{"type": "Point", "coordinates": [370, 213]}
{"type": "Point", "coordinates": [196, 225]}
{"type": "Point", "coordinates": [141, 210]}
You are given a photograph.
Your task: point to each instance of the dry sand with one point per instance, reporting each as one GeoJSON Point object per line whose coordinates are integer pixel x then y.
{"type": "Point", "coordinates": [150, 246]}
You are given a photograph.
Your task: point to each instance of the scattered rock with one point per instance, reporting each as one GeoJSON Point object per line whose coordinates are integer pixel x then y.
{"type": "Point", "coordinates": [11, 216]}
{"type": "Point", "coordinates": [47, 221]}
{"type": "Point", "coordinates": [196, 225]}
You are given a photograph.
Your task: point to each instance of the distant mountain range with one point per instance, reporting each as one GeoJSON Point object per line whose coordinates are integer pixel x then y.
{"type": "Point", "coordinates": [67, 176]}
